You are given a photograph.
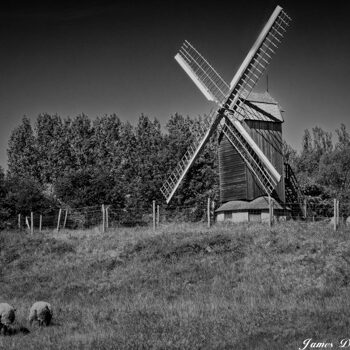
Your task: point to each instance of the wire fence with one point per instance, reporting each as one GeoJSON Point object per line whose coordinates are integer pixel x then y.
{"type": "Point", "coordinates": [108, 217]}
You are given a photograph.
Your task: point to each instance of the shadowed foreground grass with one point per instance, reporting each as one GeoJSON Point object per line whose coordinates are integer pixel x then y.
{"type": "Point", "coordinates": [184, 287]}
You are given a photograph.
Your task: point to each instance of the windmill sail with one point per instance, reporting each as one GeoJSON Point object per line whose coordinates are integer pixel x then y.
{"type": "Point", "coordinates": [173, 181]}
{"type": "Point", "coordinates": [258, 57]}
{"type": "Point", "coordinates": [230, 99]}
{"type": "Point", "coordinates": [202, 73]}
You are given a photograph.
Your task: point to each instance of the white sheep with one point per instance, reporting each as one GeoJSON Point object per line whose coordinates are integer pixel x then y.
{"type": "Point", "coordinates": [41, 311]}
{"type": "Point", "coordinates": [7, 317]}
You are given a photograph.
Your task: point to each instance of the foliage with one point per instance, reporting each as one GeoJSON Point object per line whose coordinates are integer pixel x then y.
{"type": "Point", "coordinates": [24, 195]}
{"type": "Point", "coordinates": [322, 168]}
{"type": "Point", "coordinates": [23, 158]}
{"type": "Point", "coordinates": [86, 162]}
{"type": "Point", "coordinates": [109, 161]}
{"type": "Point", "coordinates": [4, 211]}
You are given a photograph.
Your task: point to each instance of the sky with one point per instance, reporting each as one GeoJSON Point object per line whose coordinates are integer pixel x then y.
{"type": "Point", "coordinates": [103, 57]}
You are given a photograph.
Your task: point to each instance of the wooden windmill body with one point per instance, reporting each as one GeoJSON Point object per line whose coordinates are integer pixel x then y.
{"type": "Point", "coordinates": [241, 196]}
{"type": "Point", "coordinates": [265, 127]}
{"type": "Point", "coordinates": [249, 124]}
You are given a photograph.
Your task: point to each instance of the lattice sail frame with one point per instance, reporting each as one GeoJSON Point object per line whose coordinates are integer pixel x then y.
{"type": "Point", "coordinates": [230, 99]}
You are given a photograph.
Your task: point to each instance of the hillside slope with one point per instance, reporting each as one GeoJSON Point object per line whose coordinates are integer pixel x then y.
{"type": "Point", "coordinates": [184, 287]}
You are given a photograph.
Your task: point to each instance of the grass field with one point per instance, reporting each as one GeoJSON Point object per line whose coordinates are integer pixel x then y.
{"type": "Point", "coordinates": [183, 287]}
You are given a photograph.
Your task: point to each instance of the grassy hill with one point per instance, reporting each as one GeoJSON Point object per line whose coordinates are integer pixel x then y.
{"type": "Point", "coordinates": [183, 287]}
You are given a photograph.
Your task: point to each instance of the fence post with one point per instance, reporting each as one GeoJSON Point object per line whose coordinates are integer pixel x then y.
{"type": "Point", "coordinates": [19, 221]}
{"type": "Point", "coordinates": [208, 212]}
{"type": "Point", "coordinates": [305, 208]}
{"type": "Point", "coordinates": [212, 208]}
{"type": "Point", "coordinates": [103, 219]}
{"type": "Point", "coordinates": [65, 218]}
{"type": "Point", "coordinates": [154, 214]}
{"type": "Point", "coordinates": [270, 211]}
{"type": "Point", "coordinates": [107, 217]}
{"type": "Point", "coordinates": [338, 216]}
{"type": "Point", "coordinates": [31, 222]}
{"type": "Point", "coordinates": [335, 214]}
{"type": "Point", "coordinates": [27, 223]}
{"type": "Point", "coordinates": [59, 219]}
{"type": "Point", "coordinates": [40, 222]}
{"type": "Point", "coordinates": [158, 216]}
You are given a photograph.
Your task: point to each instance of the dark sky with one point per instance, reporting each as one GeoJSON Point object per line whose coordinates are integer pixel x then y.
{"type": "Point", "coordinates": [101, 57]}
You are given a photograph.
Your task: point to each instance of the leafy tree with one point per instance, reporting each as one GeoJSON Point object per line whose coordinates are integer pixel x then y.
{"type": "Point", "coordinates": [149, 162]}
{"type": "Point", "coordinates": [23, 159]}
{"type": "Point", "coordinates": [50, 146]}
{"type": "Point", "coordinates": [314, 148]}
{"type": "Point", "coordinates": [80, 132]}
{"type": "Point", "coordinates": [107, 139]}
{"type": "Point", "coordinates": [4, 210]}
{"type": "Point", "coordinates": [202, 178]}
{"type": "Point", "coordinates": [343, 137]}
{"type": "Point", "coordinates": [25, 194]}
{"type": "Point", "coordinates": [178, 139]}
{"type": "Point", "coordinates": [334, 170]}
{"type": "Point", "coordinates": [290, 155]}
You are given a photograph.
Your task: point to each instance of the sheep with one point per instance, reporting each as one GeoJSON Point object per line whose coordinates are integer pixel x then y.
{"type": "Point", "coordinates": [41, 311]}
{"type": "Point", "coordinates": [7, 317]}
{"type": "Point", "coordinates": [16, 329]}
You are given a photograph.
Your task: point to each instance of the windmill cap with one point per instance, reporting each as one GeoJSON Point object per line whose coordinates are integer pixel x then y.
{"type": "Point", "coordinates": [263, 107]}
{"type": "Point", "coordinates": [262, 97]}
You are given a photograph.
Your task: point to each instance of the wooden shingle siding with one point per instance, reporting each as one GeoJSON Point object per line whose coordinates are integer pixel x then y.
{"type": "Point", "coordinates": [232, 172]}
{"type": "Point", "coordinates": [236, 180]}
{"type": "Point", "coordinates": [268, 136]}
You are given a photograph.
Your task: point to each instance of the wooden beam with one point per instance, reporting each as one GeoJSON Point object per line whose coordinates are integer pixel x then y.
{"type": "Point", "coordinates": [59, 219]}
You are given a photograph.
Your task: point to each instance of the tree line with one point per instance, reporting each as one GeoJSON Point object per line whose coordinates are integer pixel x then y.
{"type": "Point", "coordinates": [322, 166]}
{"type": "Point", "coordinates": [79, 162]}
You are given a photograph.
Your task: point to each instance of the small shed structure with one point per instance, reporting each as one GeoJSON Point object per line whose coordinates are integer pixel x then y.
{"type": "Point", "coordinates": [256, 210]}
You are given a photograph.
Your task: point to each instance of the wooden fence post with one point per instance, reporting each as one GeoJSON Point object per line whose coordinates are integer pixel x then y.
{"type": "Point", "coordinates": [59, 219]}
{"type": "Point", "coordinates": [65, 219]}
{"type": "Point", "coordinates": [270, 212]}
{"type": "Point", "coordinates": [212, 206]}
{"type": "Point", "coordinates": [335, 214]}
{"type": "Point", "coordinates": [208, 212]}
{"type": "Point", "coordinates": [107, 217]}
{"type": "Point", "coordinates": [103, 219]}
{"type": "Point", "coordinates": [338, 216]}
{"type": "Point", "coordinates": [305, 208]}
{"type": "Point", "coordinates": [158, 216]}
{"type": "Point", "coordinates": [31, 222]}
{"type": "Point", "coordinates": [27, 222]}
{"type": "Point", "coordinates": [19, 221]}
{"type": "Point", "coordinates": [40, 222]}
{"type": "Point", "coordinates": [154, 214]}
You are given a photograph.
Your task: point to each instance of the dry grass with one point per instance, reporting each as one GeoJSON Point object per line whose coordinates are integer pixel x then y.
{"type": "Point", "coordinates": [184, 287]}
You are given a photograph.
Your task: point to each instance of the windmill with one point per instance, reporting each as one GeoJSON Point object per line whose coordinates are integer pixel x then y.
{"type": "Point", "coordinates": [233, 107]}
